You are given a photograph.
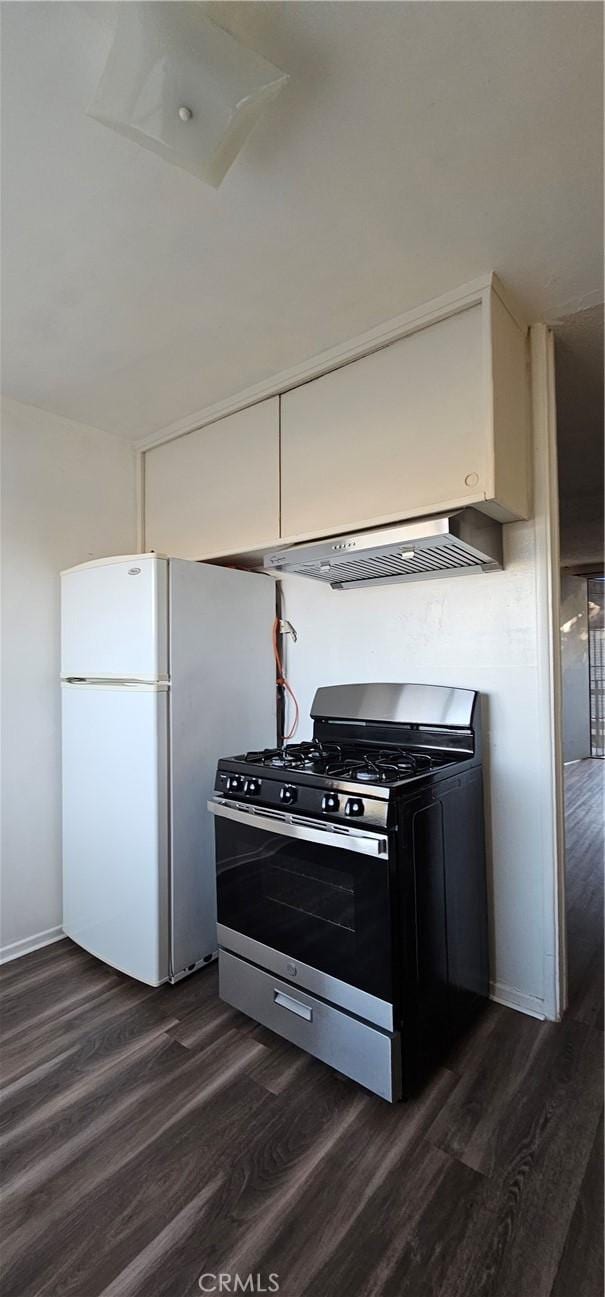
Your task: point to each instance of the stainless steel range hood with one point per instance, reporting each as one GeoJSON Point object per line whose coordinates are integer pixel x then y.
{"type": "Point", "coordinates": [454, 544]}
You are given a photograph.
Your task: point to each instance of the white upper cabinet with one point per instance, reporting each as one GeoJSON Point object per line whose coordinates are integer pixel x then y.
{"type": "Point", "coordinates": [216, 491]}
{"type": "Point", "coordinates": [437, 419]}
{"type": "Point", "coordinates": [434, 421]}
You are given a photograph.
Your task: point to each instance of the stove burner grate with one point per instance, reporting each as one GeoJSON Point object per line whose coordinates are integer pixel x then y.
{"type": "Point", "coordinates": [296, 756]}
{"type": "Point", "coordinates": [383, 767]}
{"type": "Point", "coordinates": [352, 762]}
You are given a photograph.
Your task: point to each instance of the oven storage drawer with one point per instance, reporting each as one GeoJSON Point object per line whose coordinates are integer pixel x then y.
{"type": "Point", "coordinates": [369, 1056]}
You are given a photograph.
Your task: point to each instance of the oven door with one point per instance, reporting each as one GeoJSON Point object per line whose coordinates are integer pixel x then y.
{"type": "Point", "coordinates": [317, 894]}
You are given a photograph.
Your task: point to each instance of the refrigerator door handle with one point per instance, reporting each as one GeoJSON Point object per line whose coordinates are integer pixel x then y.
{"type": "Point", "coordinates": [81, 682]}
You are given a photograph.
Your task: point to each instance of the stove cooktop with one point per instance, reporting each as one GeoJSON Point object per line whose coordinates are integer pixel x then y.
{"type": "Point", "coordinates": [371, 744]}
{"type": "Point", "coordinates": [355, 762]}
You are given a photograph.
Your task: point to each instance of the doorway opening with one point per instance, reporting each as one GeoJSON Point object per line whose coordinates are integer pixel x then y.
{"type": "Point", "coordinates": [579, 392]}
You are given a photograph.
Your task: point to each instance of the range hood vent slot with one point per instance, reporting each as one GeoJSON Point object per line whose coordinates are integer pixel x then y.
{"type": "Point", "coordinates": [454, 544]}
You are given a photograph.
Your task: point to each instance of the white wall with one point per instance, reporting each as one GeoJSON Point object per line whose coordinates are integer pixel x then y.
{"type": "Point", "coordinates": [68, 494]}
{"type": "Point", "coordinates": [575, 681]}
{"type": "Point", "coordinates": [486, 632]}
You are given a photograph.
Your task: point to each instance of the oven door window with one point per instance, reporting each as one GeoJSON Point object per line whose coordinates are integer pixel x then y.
{"type": "Point", "coordinates": [322, 905]}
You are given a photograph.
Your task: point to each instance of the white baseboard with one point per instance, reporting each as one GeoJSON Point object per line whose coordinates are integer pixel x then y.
{"type": "Point", "coordinates": [514, 999]}
{"type": "Point", "coordinates": [25, 947]}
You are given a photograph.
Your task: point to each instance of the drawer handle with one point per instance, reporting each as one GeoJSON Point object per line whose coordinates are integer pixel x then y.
{"type": "Point", "coordinates": [293, 1006]}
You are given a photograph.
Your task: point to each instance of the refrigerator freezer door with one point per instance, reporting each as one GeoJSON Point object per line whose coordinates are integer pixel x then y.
{"type": "Point", "coordinates": [114, 619]}
{"type": "Point", "coordinates": [115, 825]}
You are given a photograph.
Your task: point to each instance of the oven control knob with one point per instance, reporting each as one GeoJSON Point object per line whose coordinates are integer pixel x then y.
{"type": "Point", "coordinates": [354, 806]}
{"type": "Point", "coordinates": [235, 783]}
{"type": "Point", "coordinates": [252, 787]}
{"type": "Point", "coordinates": [287, 794]}
{"type": "Point", "coordinates": [329, 802]}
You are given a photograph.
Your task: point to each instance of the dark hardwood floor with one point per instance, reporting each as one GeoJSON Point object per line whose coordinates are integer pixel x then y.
{"type": "Point", "coordinates": [152, 1137]}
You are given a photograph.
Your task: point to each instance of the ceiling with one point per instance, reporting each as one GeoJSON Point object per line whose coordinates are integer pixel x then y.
{"type": "Point", "coordinates": [415, 147]}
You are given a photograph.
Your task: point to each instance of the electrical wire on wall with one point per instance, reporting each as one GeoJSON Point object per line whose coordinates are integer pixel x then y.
{"type": "Point", "coordinates": [283, 686]}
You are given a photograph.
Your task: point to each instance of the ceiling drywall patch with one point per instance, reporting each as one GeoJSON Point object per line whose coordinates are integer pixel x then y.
{"type": "Point", "coordinates": [179, 85]}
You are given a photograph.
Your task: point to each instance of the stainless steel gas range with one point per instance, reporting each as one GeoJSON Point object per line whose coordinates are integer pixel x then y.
{"type": "Point", "coordinates": [351, 881]}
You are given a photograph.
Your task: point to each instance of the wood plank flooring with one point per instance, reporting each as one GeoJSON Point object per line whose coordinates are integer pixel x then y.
{"type": "Point", "coordinates": [152, 1137]}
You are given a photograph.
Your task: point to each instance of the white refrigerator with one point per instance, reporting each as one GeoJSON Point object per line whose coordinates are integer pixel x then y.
{"type": "Point", "coordinates": [166, 665]}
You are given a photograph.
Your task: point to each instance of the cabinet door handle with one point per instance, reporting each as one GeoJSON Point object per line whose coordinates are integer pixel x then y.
{"type": "Point", "coordinates": [293, 1006]}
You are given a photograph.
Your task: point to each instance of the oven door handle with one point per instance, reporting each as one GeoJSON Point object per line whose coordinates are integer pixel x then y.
{"type": "Point", "coordinates": [296, 826]}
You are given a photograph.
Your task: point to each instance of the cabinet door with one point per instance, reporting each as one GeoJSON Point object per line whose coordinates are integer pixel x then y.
{"type": "Point", "coordinates": [400, 432]}
{"type": "Point", "coordinates": [216, 491]}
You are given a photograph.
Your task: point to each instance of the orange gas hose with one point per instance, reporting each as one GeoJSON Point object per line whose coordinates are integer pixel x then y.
{"type": "Point", "coordinates": [281, 680]}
